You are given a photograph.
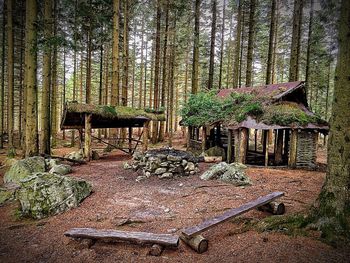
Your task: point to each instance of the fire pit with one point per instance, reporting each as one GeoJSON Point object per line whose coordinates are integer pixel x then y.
{"type": "Point", "coordinates": [165, 163]}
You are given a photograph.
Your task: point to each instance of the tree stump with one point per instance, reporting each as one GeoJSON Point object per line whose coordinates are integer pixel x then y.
{"type": "Point", "coordinates": [197, 243]}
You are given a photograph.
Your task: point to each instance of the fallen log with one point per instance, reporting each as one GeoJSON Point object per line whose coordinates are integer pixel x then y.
{"type": "Point", "coordinates": [165, 240]}
{"type": "Point", "coordinates": [197, 243]}
{"type": "Point", "coordinates": [63, 158]}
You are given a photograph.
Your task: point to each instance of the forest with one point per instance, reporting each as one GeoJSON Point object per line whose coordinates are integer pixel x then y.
{"type": "Point", "coordinates": [110, 87]}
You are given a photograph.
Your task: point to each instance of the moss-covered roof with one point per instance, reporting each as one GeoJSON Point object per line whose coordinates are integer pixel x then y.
{"type": "Point", "coordinates": [104, 116]}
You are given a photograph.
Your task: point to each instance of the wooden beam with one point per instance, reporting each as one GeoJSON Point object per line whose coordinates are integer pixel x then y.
{"type": "Point", "coordinates": [87, 137]}
{"type": "Point", "coordinates": [197, 243]}
{"type": "Point", "coordinates": [189, 137]}
{"type": "Point", "coordinates": [243, 145]}
{"type": "Point", "coordinates": [204, 138]}
{"type": "Point", "coordinates": [130, 139]}
{"type": "Point", "coordinates": [145, 136]}
{"type": "Point", "coordinates": [279, 147]}
{"type": "Point", "coordinates": [293, 149]}
{"type": "Point", "coordinates": [229, 146]}
{"type": "Point", "coordinates": [166, 240]}
{"type": "Point", "coordinates": [236, 143]}
{"type": "Point", "coordinates": [196, 230]}
{"type": "Point", "coordinates": [267, 146]}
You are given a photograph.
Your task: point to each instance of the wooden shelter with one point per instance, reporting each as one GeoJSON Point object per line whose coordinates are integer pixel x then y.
{"type": "Point", "coordinates": [283, 140]}
{"type": "Point", "coordinates": [86, 117]}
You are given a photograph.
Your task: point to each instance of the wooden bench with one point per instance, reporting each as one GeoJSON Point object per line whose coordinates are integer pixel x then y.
{"type": "Point", "coordinates": [157, 240]}
{"type": "Point", "coordinates": [191, 235]}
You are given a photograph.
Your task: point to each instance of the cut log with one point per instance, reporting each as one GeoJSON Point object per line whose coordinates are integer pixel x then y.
{"type": "Point", "coordinates": [166, 240]}
{"type": "Point", "coordinates": [197, 243]}
{"type": "Point", "coordinates": [275, 208]}
{"type": "Point", "coordinates": [156, 250]}
{"type": "Point", "coordinates": [195, 230]}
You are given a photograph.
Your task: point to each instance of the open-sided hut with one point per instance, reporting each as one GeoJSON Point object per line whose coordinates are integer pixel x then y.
{"type": "Point", "coordinates": [87, 117]}
{"type": "Point", "coordinates": [278, 113]}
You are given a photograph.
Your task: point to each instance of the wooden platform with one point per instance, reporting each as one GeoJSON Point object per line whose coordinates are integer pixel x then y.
{"type": "Point", "coordinates": [165, 240]}
{"type": "Point", "coordinates": [209, 223]}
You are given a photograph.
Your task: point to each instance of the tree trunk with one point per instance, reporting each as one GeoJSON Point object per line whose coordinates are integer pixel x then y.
{"type": "Point", "coordinates": [2, 93]}
{"type": "Point", "coordinates": [88, 60]}
{"type": "Point", "coordinates": [125, 80]}
{"type": "Point", "coordinates": [171, 81]}
{"type": "Point", "coordinates": [308, 52]}
{"type": "Point", "coordinates": [45, 98]}
{"type": "Point", "coordinates": [222, 43]}
{"type": "Point", "coordinates": [195, 61]}
{"type": "Point", "coordinates": [74, 65]}
{"type": "Point", "coordinates": [212, 46]}
{"type": "Point", "coordinates": [10, 79]}
{"type": "Point", "coordinates": [133, 67]}
{"type": "Point", "coordinates": [295, 48]}
{"type": "Point", "coordinates": [142, 64]}
{"type": "Point", "coordinates": [156, 75]}
{"type": "Point", "coordinates": [249, 69]}
{"type": "Point", "coordinates": [115, 55]}
{"type": "Point", "coordinates": [334, 199]}
{"type": "Point", "coordinates": [164, 68]}
{"type": "Point", "coordinates": [31, 140]}
{"type": "Point", "coordinates": [271, 43]}
{"type": "Point", "coordinates": [238, 47]}
{"type": "Point", "coordinates": [54, 84]}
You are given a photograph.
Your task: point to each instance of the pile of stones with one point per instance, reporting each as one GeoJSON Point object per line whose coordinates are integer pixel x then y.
{"type": "Point", "coordinates": [164, 163]}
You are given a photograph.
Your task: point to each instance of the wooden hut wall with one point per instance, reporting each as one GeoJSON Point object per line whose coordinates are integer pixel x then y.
{"type": "Point", "coordinates": [306, 149]}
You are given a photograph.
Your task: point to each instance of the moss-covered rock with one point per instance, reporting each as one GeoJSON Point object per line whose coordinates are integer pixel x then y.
{"type": "Point", "coordinates": [24, 168]}
{"type": "Point", "coordinates": [78, 155]}
{"type": "Point", "coordinates": [61, 169]}
{"type": "Point", "coordinates": [45, 194]}
{"type": "Point", "coordinates": [231, 173]}
{"type": "Point", "coordinates": [6, 195]}
{"type": "Point", "coordinates": [215, 151]}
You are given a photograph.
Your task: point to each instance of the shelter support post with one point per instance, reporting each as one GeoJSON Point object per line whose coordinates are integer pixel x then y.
{"type": "Point", "coordinates": [229, 146]}
{"type": "Point", "coordinates": [87, 137]}
{"type": "Point", "coordinates": [293, 149]}
{"type": "Point", "coordinates": [145, 136]}
{"type": "Point", "coordinates": [279, 147]}
{"type": "Point", "coordinates": [204, 138]}
{"type": "Point", "coordinates": [189, 136]}
{"type": "Point", "coordinates": [130, 139]}
{"type": "Point", "coordinates": [286, 143]}
{"type": "Point", "coordinates": [243, 145]}
{"type": "Point", "coordinates": [266, 146]}
{"type": "Point", "coordinates": [236, 143]}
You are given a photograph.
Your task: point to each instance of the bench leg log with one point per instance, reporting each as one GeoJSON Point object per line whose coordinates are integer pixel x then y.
{"type": "Point", "coordinates": [275, 208]}
{"type": "Point", "coordinates": [85, 242]}
{"type": "Point", "coordinates": [156, 250]}
{"type": "Point", "coordinates": [197, 243]}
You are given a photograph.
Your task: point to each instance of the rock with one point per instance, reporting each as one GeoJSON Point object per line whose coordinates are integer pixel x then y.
{"type": "Point", "coordinates": [165, 175]}
{"type": "Point", "coordinates": [51, 163]}
{"type": "Point", "coordinates": [140, 178]}
{"type": "Point", "coordinates": [190, 167]}
{"type": "Point", "coordinates": [216, 151]}
{"type": "Point", "coordinates": [78, 155]}
{"type": "Point", "coordinates": [137, 156]}
{"type": "Point", "coordinates": [61, 169]}
{"type": "Point", "coordinates": [192, 172]}
{"type": "Point", "coordinates": [45, 194]}
{"type": "Point", "coordinates": [177, 169]}
{"type": "Point", "coordinates": [174, 158]}
{"type": "Point", "coordinates": [127, 166]}
{"type": "Point", "coordinates": [95, 155]}
{"type": "Point", "coordinates": [160, 171]}
{"type": "Point", "coordinates": [164, 164]}
{"type": "Point", "coordinates": [147, 174]}
{"type": "Point", "coordinates": [230, 173]}
{"type": "Point", "coordinates": [24, 168]}
{"type": "Point", "coordinates": [184, 163]}
{"type": "Point", "coordinates": [6, 195]}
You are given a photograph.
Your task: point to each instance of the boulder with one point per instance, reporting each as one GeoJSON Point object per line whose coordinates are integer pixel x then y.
{"type": "Point", "coordinates": [24, 168]}
{"type": "Point", "coordinates": [78, 155]}
{"type": "Point", "coordinates": [216, 151]}
{"type": "Point", "coordinates": [61, 169]}
{"type": "Point", "coordinates": [127, 166]}
{"type": "Point", "coordinates": [230, 173]}
{"type": "Point", "coordinates": [6, 195]}
{"type": "Point", "coordinates": [52, 162]}
{"type": "Point", "coordinates": [174, 158]}
{"type": "Point", "coordinates": [165, 175]}
{"type": "Point", "coordinates": [160, 171]}
{"type": "Point", "coordinates": [45, 194]}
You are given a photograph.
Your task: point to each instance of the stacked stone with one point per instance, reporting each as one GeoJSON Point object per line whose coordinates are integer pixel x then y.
{"type": "Point", "coordinates": [165, 163]}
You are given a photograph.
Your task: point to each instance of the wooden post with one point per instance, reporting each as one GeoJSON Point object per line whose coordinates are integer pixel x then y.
{"type": "Point", "coordinates": [145, 136]}
{"type": "Point", "coordinates": [197, 243]}
{"type": "Point", "coordinates": [286, 143]}
{"type": "Point", "coordinates": [275, 208]}
{"type": "Point", "coordinates": [267, 144]}
{"type": "Point", "coordinates": [229, 146]}
{"type": "Point", "coordinates": [279, 147]}
{"type": "Point", "coordinates": [243, 145]}
{"type": "Point", "coordinates": [87, 139]}
{"type": "Point", "coordinates": [204, 138]}
{"type": "Point", "coordinates": [255, 140]}
{"type": "Point", "coordinates": [130, 139]}
{"type": "Point", "coordinates": [293, 149]}
{"type": "Point", "coordinates": [264, 140]}
{"type": "Point", "coordinates": [189, 137]}
{"type": "Point", "coordinates": [236, 143]}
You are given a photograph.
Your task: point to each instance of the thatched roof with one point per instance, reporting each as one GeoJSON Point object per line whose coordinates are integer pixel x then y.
{"type": "Point", "coordinates": [104, 116]}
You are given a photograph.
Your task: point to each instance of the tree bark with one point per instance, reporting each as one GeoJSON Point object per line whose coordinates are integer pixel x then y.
{"type": "Point", "coordinates": [212, 46]}
{"type": "Point", "coordinates": [31, 139]}
{"type": "Point", "coordinates": [195, 61]}
{"type": "Point", "coordinates": [45, 139]}
{"type": "Point", "coordinates": [2, 90]}
{"type": "Point", "coordinates": [238, 47]}
{"type": "Point", "coordinates": [125, 80]}
{"type": "Point", "coordinates": [222, 43]}
{"type": "Point", "coordinates": [295, 48]}
{"type": "Point", "coordinates": [308, 52]}
{"type": "Point", "coordinates": [251, 33]}
{"type": "Point", "coordinates": [271, 43]}
{"type": "Point", "coordinates": [115, 55]}
{"type": "Point", "coordinates": [334, 199]}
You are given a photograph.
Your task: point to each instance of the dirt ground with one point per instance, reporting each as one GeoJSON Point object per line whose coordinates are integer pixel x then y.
{"type": "Point", "coordinates": [167, 206]}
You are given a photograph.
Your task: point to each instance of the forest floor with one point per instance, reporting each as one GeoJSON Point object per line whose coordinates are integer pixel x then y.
{"type": "Point", "coordinates": [167, 206]}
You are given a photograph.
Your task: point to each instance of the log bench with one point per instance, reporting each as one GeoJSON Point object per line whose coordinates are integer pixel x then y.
{"type": "Point", "coordinates": [191, 235]}
{"type": "Point", "coordinates": [158, 241]}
